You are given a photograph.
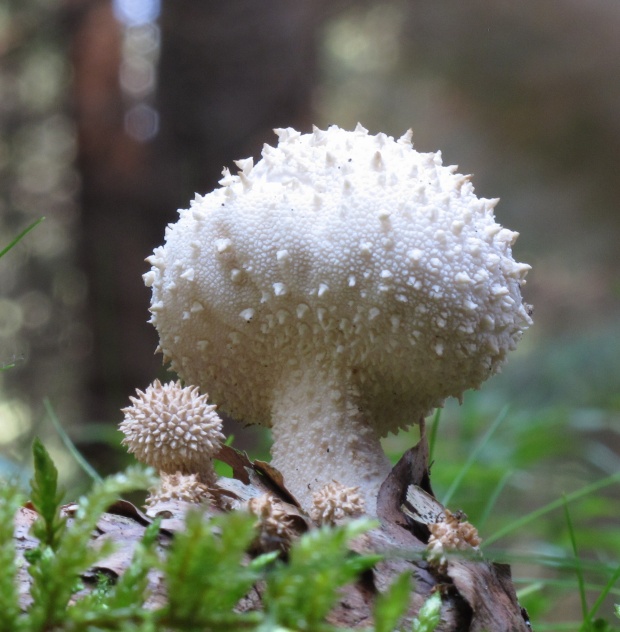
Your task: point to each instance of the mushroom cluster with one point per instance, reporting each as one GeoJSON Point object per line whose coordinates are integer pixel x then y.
{"type": "Point", "coordinates": [336, 291]}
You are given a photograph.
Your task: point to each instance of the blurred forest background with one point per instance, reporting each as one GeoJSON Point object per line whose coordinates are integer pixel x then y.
{"type": "Point", "coordinates": [113, 113]}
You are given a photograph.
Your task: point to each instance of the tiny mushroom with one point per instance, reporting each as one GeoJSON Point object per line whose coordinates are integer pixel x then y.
{"type": "Point", "coordinates": [173, 429]}
{"type": "Point", "coordinates": [336, 291]}
{"type": "Point", "coordinates": [335, 502]}
{"type": "Point", "coordinates": [183, 487]}
{"type": "Point", "coordinates": [451, 533]}
{"type": "Point", "coordinates": [276, 529]}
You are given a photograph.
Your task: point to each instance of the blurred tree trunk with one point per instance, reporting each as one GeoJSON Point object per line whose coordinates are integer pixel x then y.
{"type": "Point", "coordinates": [228, 73]}
{"type": "Point", "coordinates": [118, 216]}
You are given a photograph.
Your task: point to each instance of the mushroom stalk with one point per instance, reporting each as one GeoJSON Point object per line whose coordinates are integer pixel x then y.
{"type": "Point", "coordinates": [321, 435]}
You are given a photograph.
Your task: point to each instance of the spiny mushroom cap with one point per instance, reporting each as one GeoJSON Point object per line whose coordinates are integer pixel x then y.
{"type": "Point", "coordinates": [348, 252]}
{"type": "Point", "coordinates": [172, 428]}
{"type": "Point", "coordinates": [334, 502]}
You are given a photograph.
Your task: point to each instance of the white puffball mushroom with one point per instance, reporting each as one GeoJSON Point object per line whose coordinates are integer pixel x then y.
{"type": "Point", "coordinates": [336, 291]}
{"type": "Point", "coordinates": [173, 429]}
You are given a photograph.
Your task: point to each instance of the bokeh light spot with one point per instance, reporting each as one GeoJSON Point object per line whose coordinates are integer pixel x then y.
{"type": "Point", "coordinates": [142, 122]}
{"type": "Point", "coordinates": [136, 12]}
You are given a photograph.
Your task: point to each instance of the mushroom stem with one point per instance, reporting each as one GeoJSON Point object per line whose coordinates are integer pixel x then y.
{"type": "Point", "coordinates": [321, 435]}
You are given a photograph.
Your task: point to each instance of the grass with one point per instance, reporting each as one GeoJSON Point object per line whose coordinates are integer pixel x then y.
{"type": "Point", "coordinates": [20, 236]}
{"type": "Point", "coordinates": [525, 480]}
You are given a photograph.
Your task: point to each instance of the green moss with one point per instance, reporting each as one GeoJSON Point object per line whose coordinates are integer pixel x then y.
{"type": "Point", "coordinates": [206, 570]}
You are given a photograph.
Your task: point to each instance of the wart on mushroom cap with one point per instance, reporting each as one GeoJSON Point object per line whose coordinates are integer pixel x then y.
{"type": "Point", "coordinates": [336, 291]}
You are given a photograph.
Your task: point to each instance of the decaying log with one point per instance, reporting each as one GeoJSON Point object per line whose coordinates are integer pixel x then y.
{"type": "Point", "coordinates": [476, 594]}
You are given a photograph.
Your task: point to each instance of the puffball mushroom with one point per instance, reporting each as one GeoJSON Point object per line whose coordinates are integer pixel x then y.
{"type": "Point", "coordinates": [183, 487]}
{"type": "Point", "coordinates": [174, 429]}
{"type": "Point", "coordinates": [336, 291]}
{"type": "Point", "coordinates": [335, 502]}
{"type": "Point", "coordinates": [451, 533]}
{"type": "Point", "coordinates": [276, 529]}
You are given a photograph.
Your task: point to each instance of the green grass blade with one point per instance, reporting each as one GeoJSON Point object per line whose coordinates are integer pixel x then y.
{"type": "Point", "coordinates": [578, 569]}
{"type": "Point", "coordinates": [531, 584]}
{"type": "Point", "coordinates": [519, 523]}
{"type": "Point", "coordinates": [433, 435]}
{"type": "Point", "coordinates": [20, 236]}
{"type": "Point", "coordinates": [554, 562]}
{"type": "Point", "coordinates": [495, 494]}
{"type": "Point", "coordinates": [608, 587]}
{"type": "Point", "coordinates": [82, 462]}
{"type": "Point", "coordinates": [570, 626]}
{"type": "Point", "coordinates": [456, 483]}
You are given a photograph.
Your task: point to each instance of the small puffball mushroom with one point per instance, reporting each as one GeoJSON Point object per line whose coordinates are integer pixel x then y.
{"type": "Point", "coordinates": [335, 502]}
{"type": "Point", "coordinates": [276, 528]}
{"type": "Point", "coordinates": [451, 533]}
{"type": "Point", "coordinates": [336, 291]}
{"type": "Point", "coordinates": [173, 429]}
{"type": "Point", "coordinates": [184, 487]}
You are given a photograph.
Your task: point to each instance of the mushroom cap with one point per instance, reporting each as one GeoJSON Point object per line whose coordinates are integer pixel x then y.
{"type": "Point", "coordinates": [344, 251]}
{"type": "Point", "coordinates": [173, 429]}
